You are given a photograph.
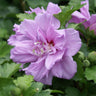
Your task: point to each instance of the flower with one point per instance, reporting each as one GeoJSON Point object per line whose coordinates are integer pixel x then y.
{"type": "Point", "coordinates": [51, 9]}
{"type": "Point", "coordinates": [84, 17]}
{"type": "Point", "coordinates": [48, 50]}
{"type": "Point", "coordinates": [78, 17]}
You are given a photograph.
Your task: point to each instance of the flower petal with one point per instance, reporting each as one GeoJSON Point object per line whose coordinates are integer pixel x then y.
{"type": "Point", "coordinates": [50, 21]}
{"type": "Point", "coordinates": [23, 52]}
{"type": "Point", "coordinates": [53, 58]}
{"type": "Point", "coordinates": [93, 27]}
{"type": "Point", "coordinates": [60, 40]}
{"type": "Point", "coordinates": [73, 41]}
{"type": "Point", "coordinates": [66, 68]}
{"type": "Point", "coordinates": [53, 8]}
{"type": "Point", "coordinates": [85, 9]}
{"type": "Point", "coordinates": [77, 17]}
{"type": "Point", "coordinates": [29, 28]}
{"type": "Point", "coordinates": [39, 71]}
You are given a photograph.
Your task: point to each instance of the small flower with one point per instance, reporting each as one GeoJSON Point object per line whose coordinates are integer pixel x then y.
{"type": "Point", "coordinates": [84, 17]}
{"type": "Point", "coordinates": [48, 50]}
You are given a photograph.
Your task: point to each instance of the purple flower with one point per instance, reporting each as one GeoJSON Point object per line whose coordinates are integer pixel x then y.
{"type": "Point", "coordinates": [48, 50]}
{"type": "Point", "coordinates": [51, 9]}
{"type": "Point", "coordinates": [84, 17]}
{"type": "Point", "coordinates": [78, 17]}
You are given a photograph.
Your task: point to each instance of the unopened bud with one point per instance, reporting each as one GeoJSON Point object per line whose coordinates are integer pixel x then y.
{"type": "Point", "coordinates": [81, 55]}
{"type": "Point", "coordinates": [92, 57]}
{"type": "Point", "coordinates": [86, 63]}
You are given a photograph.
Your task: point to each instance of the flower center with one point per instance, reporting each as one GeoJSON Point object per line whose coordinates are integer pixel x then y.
{"type": "Point", "coordinates": [42, 48]}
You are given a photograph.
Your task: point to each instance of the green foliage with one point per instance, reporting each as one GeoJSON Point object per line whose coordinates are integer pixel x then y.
{"type": "Point", "coordinates": [79, 76]}
{"type": "Point", "coordinates": [71, 91]}
{"type": "Point", "coordinates": [24, 82]}
{"type": "Point", "coordinates": [65, 15]}
{"type": "Point", "coordinates": [90, 73]}
{"type": "Point", "coordinates": [4, 49]}
{"type": "Point", "coordinates": [6, 86]}
{"type": "Point", "coordinates": [22, 16]}
{"type": "Point", "coordinates": [7, 70]}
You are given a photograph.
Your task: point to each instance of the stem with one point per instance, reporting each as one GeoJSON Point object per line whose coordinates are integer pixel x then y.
{"type": "Point", "coordinates": [22, 5]}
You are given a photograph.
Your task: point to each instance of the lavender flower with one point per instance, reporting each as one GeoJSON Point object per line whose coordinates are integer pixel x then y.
{"type": "Point", "coordinates": [48, 50]}
{"type": "Point", "coordinates": [78, 17]}
{"type": "Point", "coordinates": [84, 17]}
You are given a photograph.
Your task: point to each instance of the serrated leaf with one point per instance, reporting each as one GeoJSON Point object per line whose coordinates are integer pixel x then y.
{"type": "Point", "coordinates": [7, 70]}
{"type": "Point", "coordinates": [35, 88]}
{"type": "Point", "coordinates": [90, 73]}
{"type": "Point", "coordinates": [23, 16]}
{"type": "Point", "coordinates": [6, 86]}
{"type": "Point", "coordinates": [24, 82]}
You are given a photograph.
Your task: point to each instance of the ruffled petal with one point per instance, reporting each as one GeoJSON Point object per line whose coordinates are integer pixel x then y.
{"type": "Point", "coordinates": [23, 52]}
{"type": "Point", "coordinates": [53, 58]}
{"type": "Point", "coordinates": [77, 17]}
{"type": "Point", "coordinates": [73, 41]}
{"type": "Point", "coordinates": [17, 38]}
{"type": "Point", "coordinates": [29, 28]}
{"type": "Point", "coordinates": [45, 20]}
{"type": "Point", "coordinates": [66, 68]}
{"type": "Point", "coordinates": [53, 8]}
{"type": "Point", "coordinates": [91, 21]}
{"type": "Point", "coordinates": [85, 9]}
{"type": "Point", "coordinates": [39, 71]}
{"type": "Point", "coordinates": [93, 27]}
{"type": "Point", "coordinates": [59, 41]}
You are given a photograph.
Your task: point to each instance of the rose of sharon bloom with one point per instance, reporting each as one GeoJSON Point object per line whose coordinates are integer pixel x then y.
{"type": "Point", "coordinates": [48, 50]}
{"type": "Point", "coordinates": [84, 16]}
{"type": "Point", "coordinates": [78, 17]}
{"type": "Point", "coordinates": [51, 9]}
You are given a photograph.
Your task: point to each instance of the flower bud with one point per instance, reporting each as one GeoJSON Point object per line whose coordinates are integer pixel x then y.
{"type": "Point", "coordinates": [92, 57]}
{"type": "Point", "coordinates": [16, 91]}
{"type": "Point", "coordinates": [86, 63]}
{"type": "Point", "coordinates": [81, 55]}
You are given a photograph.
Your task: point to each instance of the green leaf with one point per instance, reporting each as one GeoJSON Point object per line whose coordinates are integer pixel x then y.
{"type": "Point", "coordinates": [3, 33]}
{"type": "Point", "coordinates": [23, 16]}
{"type": "Point", "coordinates": [71, 25]}
{"type": "Point", "coordinates": [71, 91]}
{"type": "Point", "coordinates": [6, 86]}
{"type": "Point", "coordinates": [90, 73]}
{"type": "Point", "coordinates": [79, 75]}
{"type": "Point", "coordinates": [84, 49]}
{"type": "Point", "coordinates": [4, 49]}
{"type": "Point", "coordinates": [7, 70]}
{"type": "Point", "coordinates": [35, 88]}
{"type": "Point", "coordinates": [24, 82]}
{"type": "Point", "coordinates": [4, 59]}
{"type": "Point", "coordinates": [43, 93]}
{"type": "Point", "coordinates": [65, 15]}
